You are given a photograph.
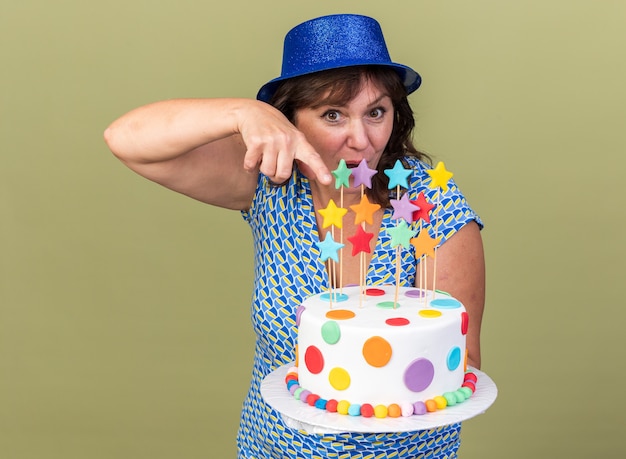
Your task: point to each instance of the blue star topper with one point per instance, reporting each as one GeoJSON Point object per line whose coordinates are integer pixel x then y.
{"type": "Point", "coordinates": [328, 248]}
{"type": "Point", "coordinates": [398, 175]}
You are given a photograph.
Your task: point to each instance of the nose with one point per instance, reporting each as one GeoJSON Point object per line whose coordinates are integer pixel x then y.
{"type": "Point", "coordinates": [358, 137]}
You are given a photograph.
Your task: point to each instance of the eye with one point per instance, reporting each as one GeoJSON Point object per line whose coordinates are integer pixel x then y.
{"type": "Point", "coordinates": [331, 115]}
{"type": "Point", "coordinates": [377, 113]}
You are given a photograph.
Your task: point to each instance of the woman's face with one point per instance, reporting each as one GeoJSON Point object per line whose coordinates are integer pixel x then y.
{"type": "Point", "coordinates": [355, 131]}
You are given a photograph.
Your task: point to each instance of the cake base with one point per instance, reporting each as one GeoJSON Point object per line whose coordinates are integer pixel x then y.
{"type": "Point", "coordinates": [300, 416]}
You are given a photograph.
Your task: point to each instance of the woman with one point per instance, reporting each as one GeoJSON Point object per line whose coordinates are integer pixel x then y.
{"type": "Point", "coordinates": [339, 97]}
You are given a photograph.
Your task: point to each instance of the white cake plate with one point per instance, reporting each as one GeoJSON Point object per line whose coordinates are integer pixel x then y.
{"type": "Point", "coordinates": [300, 416]}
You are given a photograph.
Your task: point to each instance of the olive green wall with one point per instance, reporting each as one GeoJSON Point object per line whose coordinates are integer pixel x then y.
{"type": "Point", "coordinates": [124, 320]}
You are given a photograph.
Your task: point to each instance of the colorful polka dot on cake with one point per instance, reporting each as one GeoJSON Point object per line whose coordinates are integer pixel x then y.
{"type": "Point", "coordinates": [299, 312]}
{"type": "Point", "coordinates": [340, 314]}
{"type": "Point", "coordinates": [454, 359]}
{"type": "Point", "coordinates": [429, 313]}
{"type": "Point", "coordinates": [331, 333]}
{"type": "Point", "coordinates": [464, 323]}
{"type": "Point", "coordinates": [377, 351]}
{"type": "Point", "coordinates": [445, 303]}
{"type": "Point", "coordinates": [397, 321]}
{"type": "Point", "coordinates": [415, 293]}
{"type": "Point", "coordinates": [339, 378]}
{"type": "Point", "coordinates": [419, 375]}
{"type": "Point", "coordinates": [314, 360]}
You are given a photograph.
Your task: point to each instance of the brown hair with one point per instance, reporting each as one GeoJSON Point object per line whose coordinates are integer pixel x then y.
{"type": "Point", "coordinates": [338, 87]}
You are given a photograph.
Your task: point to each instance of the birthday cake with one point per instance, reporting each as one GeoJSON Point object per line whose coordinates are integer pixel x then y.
{"type": "Point", "coordinates": [385, 350]}
{"type": "Point", "coordinates": [381, 351]}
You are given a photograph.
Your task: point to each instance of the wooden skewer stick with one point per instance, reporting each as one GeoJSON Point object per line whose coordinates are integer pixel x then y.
{"type": "Point", "coordinates": [341, 251]}
{"type": "Point", "coordinates": [330, 283]}
{"type": "Point", "coordinates": [436, 234]}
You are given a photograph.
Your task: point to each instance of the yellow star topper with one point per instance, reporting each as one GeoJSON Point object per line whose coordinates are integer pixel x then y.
{"type": "Point", "coordinates": [440, 176]}
{"type": "Point", "coordinates": [333, 215]}
{"type": "Point", "coordinates": [364, 211]}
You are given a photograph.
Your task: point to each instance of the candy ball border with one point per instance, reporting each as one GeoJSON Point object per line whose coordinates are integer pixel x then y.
{"type": "Point", "coordinates": [394, 410]}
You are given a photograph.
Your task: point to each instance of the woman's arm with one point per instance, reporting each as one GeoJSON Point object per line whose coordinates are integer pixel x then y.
{"type": "Point", "coordinates": [461, 273]}
{"type": "Point", "coordinates": [212, 149]}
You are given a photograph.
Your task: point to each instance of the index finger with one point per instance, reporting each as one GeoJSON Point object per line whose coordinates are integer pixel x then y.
{"type": "Point", "coordinates": [313, 167]}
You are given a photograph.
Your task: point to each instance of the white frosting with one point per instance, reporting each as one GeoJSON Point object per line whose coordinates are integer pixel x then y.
{"type": "Point", "coordinates": [432, 343]}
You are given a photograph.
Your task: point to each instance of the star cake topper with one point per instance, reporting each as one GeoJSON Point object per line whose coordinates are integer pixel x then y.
{"type": "Point", "coordinates": [440, 176]}
{"type": "Point", "coordinates": [401, 235]}
{"type": "Point", "coordinates": [342, 175]}
{"type": "Point", "coordinates": [328, 248]}
{"type": "Point", "coordinates": [363, 175]}
{"type": "Point", "coordinates": [424, 244]}
{"type": "Point", "coordinates": [398, 175]}
{"type": "Point", "coordinates": [333, 215]}
{"type": "Point", "coordinates": [403, 208]}
{"type": "Point", "coordinates": [424, 208]}
{"type": "Point", "coordinates": [361, 241]}
{"type": "Point", "coordinates": [364, 211]}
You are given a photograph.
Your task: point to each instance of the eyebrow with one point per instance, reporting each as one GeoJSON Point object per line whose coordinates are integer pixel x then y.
{"type": "Point", "coordinates": [378, 99]}
{"type": "Point", "coordinates": [369, 105]}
